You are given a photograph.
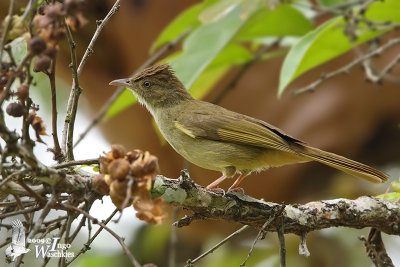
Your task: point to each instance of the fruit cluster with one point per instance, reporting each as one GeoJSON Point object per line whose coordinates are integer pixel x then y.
{"type": "Point", "coordinates": [49, 23]}
{"type": "Point", "coordinates": [128, 178]}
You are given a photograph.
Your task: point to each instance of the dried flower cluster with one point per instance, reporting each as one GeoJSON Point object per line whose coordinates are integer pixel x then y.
{"type": "Point", "coordinates": [128, 177]}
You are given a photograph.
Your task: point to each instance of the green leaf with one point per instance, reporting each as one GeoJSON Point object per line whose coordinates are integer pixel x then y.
{"type": "Point", "coordinates": [218, 11]}
{"type": "Point", "coordinates": [188, 18]}
{"type": "Point", "coordinates": [125, 100]}
{"type": "Point", "coordinates": [393, 196]}
{"type": "Point", "coordinates": [204, 45]}
{"type": "Point", "coordinates": [329, 41]}
{"type": "Point", "coordinates": [387, 10]}
{"type": "Point", "coordinates": [207, 80]}
{"type": "Point", "coordinates": [396, 186]}
{"type": "Point", "coordinates": [232, 54]}
{"type": "Point", "coordinates": [282, 21]}
{"type": "Point", "coordinates": [18, 48]}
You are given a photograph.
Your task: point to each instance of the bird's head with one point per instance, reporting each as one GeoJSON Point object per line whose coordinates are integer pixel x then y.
{"type": "Point", "coordinates": [156, 87]}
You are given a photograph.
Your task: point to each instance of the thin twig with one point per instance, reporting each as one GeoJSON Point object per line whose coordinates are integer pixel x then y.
{"type": "Point", "coordinates": [345, 69]}
{"type": "Point", "coordinates": [28, 9]}
{"type": "Point", "coordinates": [378, 78]}
{"type": "Point", "coordinates": [244, 69]}
{"type": "Point", "coordinates": [87, 245]}
{"type": "Point", "coordinates": [78, 229]}
{"type": "Point", "coordinates": [282, 247]}
{"type": "Point", "coordinates": [173, 240]}
{"type": "Point", "coordinates": [72, 105]}
{"type": "Point", "coordinates": [60, 234]}
{"type": "Point", "coordinates": [376, 249]}
{"type": "Point", "coordinates": [11, 79]}
{"type": "Point", "coordinates": [72, 237]}
{"type": "Point", "coordinates": [119, 239]}
{"type": "Point", "coordinates": [7, 27]}
{"type": "Point", "coordinates": [75, 163]}
{"type": "Point", "coordinates": [45, 261]}
{"type": "Point", "coordinates": [12, 175]}
{"type": "Point", "coordinates": [57, 220]}
{"type": "Point", "coordinates": [336, 8]}
{"type": "Point", "coordinates": [128, 197]}
{"type": "Point", "coordinates": [8, 49]}
{"type": "Point", "coordinates": [13, 203]}
{"type": "Point", "coordinates": [10, 214]}
{"type": "Point", "coordinates": [21, 206]}
{"type": "Point", "coordinates": [6, 242]}
{"type": "Point", "coordinates": [161, 52]}
{"type": "Point", "coordinates": [261, 232]}
{"type": "Point", "coordinates": [45, 212]}
{"type": "Point", "coordinates": [73, 100]}
{"type": "Point", "coordinates": [52, 78]}
{"type": "Point", "coordinates": [211, 250]}
{"type": "Point", "coordinates": [39, 198]}
{"type": "Point", "coordinates": [100, 26]}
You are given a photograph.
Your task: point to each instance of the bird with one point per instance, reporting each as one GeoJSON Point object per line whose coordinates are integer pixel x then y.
{"type": "Point", "coordinates": [17, 246]}
{"type": "Point", "coordinates": [219, 139]}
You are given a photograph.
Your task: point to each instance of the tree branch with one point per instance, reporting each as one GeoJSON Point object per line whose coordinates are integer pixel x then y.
{"type": "Point", "coordinates": [52, 78]}
{"type": "Point", "coordinates": [96, 221]}
{"type": "Point", "coordinates": [345, 69]}
{"type": "Point", "coordinates": [7, 27]}
{"type": "Point", "coordinates": [299, 219]}
{"type": "Point", "coordinates": [72, 106]}
{"type": "Point", "coordinates": [100, 26]}
{"type": "Point", "coordinates": [376, 249]}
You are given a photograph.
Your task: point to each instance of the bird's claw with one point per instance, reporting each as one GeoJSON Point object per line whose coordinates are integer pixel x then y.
{"type": "Point", "coordinates": [217, 190]}
{"type": "Point", "coordinates": [236, 189]}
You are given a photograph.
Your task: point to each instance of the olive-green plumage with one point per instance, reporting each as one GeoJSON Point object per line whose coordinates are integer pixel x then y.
{"type": "Point", "coordinates": [218, 139]}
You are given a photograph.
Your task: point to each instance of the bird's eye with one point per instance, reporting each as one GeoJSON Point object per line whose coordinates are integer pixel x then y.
{"type": "Point", "coordinates": [146, 84]}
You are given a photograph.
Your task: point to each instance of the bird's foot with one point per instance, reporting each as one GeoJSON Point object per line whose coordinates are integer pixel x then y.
{"type": "Point", "coordinates": [236, 189]}
{"type": "Point", "coordinates": [217, 190]}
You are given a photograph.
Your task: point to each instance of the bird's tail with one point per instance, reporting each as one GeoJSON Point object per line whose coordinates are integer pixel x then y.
{"type": "Point", "coordinates": [344, 164]}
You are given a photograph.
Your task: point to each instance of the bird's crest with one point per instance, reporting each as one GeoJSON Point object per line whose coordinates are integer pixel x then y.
{"type": "Point", "coordinates": [165, 68]}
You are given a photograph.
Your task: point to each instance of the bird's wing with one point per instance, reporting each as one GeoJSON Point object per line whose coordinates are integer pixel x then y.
{"type": "Point", "coordinates": [216, 123]}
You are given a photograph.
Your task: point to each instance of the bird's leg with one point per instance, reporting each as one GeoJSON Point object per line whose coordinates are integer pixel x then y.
{"type": "Point", "coordinates": [214, 184]}
{"type": "Point", "coordinates": [234, 186]}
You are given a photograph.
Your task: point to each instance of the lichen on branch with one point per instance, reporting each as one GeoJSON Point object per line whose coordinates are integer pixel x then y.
{"type": "Point", "coordinates": [362, 212]}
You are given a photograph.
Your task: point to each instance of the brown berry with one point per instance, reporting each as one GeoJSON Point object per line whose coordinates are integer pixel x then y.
{"type": "Point", "coordinates": [41, 9]}
{"type": "Point", "coordinates": [55, 11]}
{"type": "Point", "coordinates": [137, 168]}
{"type": "Point", "coordinates": [100, 185]}
{"type": "Point", "coordinates": [51, 52]}
{"type": "Point", "coordinates": [57, 34]}
{"type": "Point", "coordinates": [118, 169]}
{"type": "Point", "coordinates": [23, 91]}
{"type": "Point", "coordinates": [118, 193]}
{"type": "Point", "coordinates": [133, 155]}
{"type": "Point", "coordinates": [104, 162]}
{"type": "Point", "coordinates": [150, 164]}
{"type": "Point", "coordinates": [118, 151]}
{"type": "Point", "coordinates": [15, 109]}
{"type": "Point", "coordinates": [37, 45]}
{"type": "Point", "coordinates": [42, 63]}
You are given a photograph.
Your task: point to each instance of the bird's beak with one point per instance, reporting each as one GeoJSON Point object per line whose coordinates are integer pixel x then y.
{"type": "Point", "coordinates": [120, 82]}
